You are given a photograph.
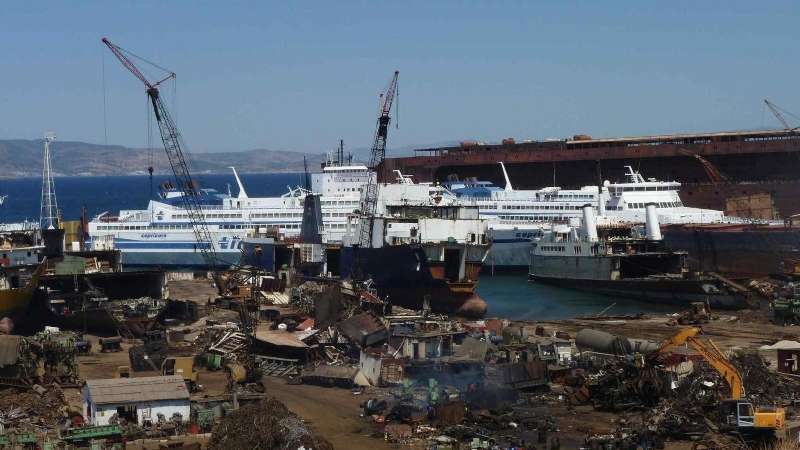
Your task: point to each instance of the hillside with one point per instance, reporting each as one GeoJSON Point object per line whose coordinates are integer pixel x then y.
{"type": "Point", "coordinates": [21, 158]}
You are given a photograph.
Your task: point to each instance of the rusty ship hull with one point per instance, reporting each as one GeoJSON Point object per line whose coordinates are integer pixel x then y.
{"type": "Point", "coordinates": [408, 277]}
{"type": "Point", "coordinates": [736, 250]}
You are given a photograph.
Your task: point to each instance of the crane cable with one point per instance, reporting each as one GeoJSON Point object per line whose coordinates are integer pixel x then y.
{"type": "Point", "coordinates": [105, 113]}
{"type": "Point", "coordinates": [149, 148]}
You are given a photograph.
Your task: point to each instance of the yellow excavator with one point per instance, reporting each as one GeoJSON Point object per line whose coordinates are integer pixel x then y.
{"type": "Point", "coordinates": [737, 413]}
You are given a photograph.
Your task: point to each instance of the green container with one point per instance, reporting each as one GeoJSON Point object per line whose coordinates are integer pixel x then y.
{"type": "Point", "coordinates": [213, 361]}
{"type": "Point", "coordinates": [26, 438]}
{"type": "Point", "coordinates": [86, 433]}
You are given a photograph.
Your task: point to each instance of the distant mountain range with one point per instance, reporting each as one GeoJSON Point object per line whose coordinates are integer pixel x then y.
{"type": "Point", "coordinates": [23, 158]}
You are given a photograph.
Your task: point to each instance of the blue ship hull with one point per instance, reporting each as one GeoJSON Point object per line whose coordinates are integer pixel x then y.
{"type": "Point", "coordinates": [174, 260]}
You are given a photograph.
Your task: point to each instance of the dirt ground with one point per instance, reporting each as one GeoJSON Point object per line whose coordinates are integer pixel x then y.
{"type": "Point", "coordinates": [332, 412]}
{"type": "Point", "coordinates": [198, 290]}
{"type": "Point", "coordinates": [743, 329]}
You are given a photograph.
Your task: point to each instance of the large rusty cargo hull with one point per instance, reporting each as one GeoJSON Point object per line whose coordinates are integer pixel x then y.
{"type": "Point", "coordinates": [736, 250]}
{"type": "Point", "coordinates": [742, 164]}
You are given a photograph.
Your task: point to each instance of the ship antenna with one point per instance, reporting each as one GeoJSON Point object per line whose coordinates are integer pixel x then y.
{"type": "Point", "coordinates": [306, 178]}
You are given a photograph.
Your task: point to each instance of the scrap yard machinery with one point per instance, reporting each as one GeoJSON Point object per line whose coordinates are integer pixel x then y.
{"type": "Point", "coordinates": [738, 414]}
{"type": "Point", "coordinates": [173, 146]}
{"type": "Point", "coordinates": [369, 203]}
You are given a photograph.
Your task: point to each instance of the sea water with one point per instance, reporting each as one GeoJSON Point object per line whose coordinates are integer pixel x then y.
{"type": "Point", "coordinates": [513, 296]}
{"type": "Point", "coordinates": [99, 194]}
{"type": "Point", "coordinates": [508, 295]}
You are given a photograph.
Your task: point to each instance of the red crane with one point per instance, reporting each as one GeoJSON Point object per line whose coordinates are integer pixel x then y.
{"type": "Point", "coordinates": [172, 140]}
{"type": "Point", "coordinates": [369, 203]}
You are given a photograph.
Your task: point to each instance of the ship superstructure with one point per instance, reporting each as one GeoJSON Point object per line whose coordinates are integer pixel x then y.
{"type": "Point", "coordinates": [427, 248]}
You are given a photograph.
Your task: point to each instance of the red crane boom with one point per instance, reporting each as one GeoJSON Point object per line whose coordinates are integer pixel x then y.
{"type": "Point", "coordinates": [369, 203]}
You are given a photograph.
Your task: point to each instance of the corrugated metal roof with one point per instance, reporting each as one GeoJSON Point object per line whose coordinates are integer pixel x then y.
{"type": "Point", "coordinates": [279, 337]}
{"type": "Point", "coordinates": [9, 350]}
{"type": "Point", "coordinates": [276, 298]}
{"type": "Point", "coordinates": [131, 390]}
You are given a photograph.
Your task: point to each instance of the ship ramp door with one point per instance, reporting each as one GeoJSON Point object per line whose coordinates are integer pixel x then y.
{"type": "Point", "coordinates": [332, 259]}
{"type": "Point", "coordinates": [452, 264]}
{"type": "Point", "coordinates": [640, 266]}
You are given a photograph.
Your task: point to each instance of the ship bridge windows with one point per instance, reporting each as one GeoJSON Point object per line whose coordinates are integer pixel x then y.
{"type": "Point", "coordinates": [617, 190]}
{"type": "Point", "coordinates": [642, 205]}
{"type": "Point", "coordinates": [237, 226]}
{"type": "Point", "coordinates": [271, 215]}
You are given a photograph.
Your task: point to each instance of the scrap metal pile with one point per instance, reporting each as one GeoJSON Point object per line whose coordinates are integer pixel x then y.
{"type": "Point", "coordinates": [265, 425]}
{"type": "Point", "coordinates": [454, 418]}
{"type": "Point", "coordinates": [661, 403]}
{"type": "Point", "coordinates": [34, 410]}
{"type": "Point", "coordinates": [47, 357]}
{"type": "Point", "coordinates": [430, 380]}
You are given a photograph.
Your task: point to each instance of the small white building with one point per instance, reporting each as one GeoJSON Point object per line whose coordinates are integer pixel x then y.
{"type": "Point", "coordinates": [135, 399]}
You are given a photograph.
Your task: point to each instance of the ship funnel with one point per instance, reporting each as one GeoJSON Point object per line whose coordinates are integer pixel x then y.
{"type": "Point", "coordinates": [652, 228]}
{"type": "Point", "coordinates": [505, 175]}
{"type": "Point", "coordinates": [589, 223]}
{"type": "Point", "coordinates": [601, 200]}
{"type": "Point", "coordinates": [242, 192]}
{"type": "Point", "coordinates": [311, 226]}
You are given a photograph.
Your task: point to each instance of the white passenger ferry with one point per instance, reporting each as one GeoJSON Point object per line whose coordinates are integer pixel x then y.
{"type": "Point", "coordinates": [162, 234]}
{"type": "Point", "coordinates": [516, 215]}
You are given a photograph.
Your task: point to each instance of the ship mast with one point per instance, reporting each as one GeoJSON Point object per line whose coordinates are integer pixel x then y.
{"type": "Point", "coordinates": [48, 218]}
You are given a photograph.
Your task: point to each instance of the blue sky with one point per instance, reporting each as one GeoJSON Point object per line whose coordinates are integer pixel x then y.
{"type": "Point", "coordinates": [300, 75]}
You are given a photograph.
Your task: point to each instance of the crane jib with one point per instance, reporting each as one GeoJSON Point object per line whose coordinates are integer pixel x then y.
{"type": "Point", "coordinates": [370, 202]}
{"type": "Point", "coordinates": [170, 137]}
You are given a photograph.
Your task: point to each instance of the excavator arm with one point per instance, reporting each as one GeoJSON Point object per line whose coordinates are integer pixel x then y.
{"type": "Point", "coordinates": [711, 353]}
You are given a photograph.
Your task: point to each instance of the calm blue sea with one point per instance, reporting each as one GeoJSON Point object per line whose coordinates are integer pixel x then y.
{"type": "Point", "coordinates": [507, 295]}
{"type": "Point", "coordinates": [100, 194]}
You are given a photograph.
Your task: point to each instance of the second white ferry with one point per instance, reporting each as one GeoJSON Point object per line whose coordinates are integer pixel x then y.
{"type": "Point", "coordinates": [517, 215]}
